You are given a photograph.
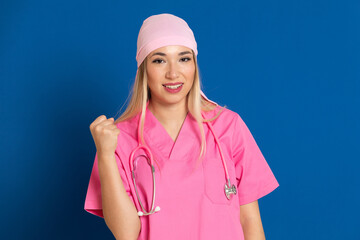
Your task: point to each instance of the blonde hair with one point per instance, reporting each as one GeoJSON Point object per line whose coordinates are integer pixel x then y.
{"type": "Point", "coordinates": [140, 94]}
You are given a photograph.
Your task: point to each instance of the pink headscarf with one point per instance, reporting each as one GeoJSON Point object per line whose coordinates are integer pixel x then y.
{"type": "Point", "coordinates": [163, 30]}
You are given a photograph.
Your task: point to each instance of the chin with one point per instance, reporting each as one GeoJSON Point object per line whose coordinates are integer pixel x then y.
{"type": "Point", "coordinates": [172, 100]}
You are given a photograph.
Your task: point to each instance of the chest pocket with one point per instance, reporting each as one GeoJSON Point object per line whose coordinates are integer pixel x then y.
{"type": "Point", "coordinates": [215, 179]}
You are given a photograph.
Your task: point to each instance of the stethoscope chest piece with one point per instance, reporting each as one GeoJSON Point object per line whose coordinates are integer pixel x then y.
{"type": "Point", "coordinates": [229, 190]}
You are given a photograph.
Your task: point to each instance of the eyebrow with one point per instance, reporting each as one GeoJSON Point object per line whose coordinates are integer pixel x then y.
{"type": "Point", "coordinates": [163, 54]}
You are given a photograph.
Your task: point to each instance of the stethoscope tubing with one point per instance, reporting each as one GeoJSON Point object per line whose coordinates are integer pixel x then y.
{"type": "Point", "coordinates": [229, 189]}
{"type": "Point", "coordinates": [154, 185]}
{"type": "Point", "coordinates": [221, 152]}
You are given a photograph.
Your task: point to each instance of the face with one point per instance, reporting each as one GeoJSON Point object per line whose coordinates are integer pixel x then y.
{"type": "Point", "coordinates": [170, 71]}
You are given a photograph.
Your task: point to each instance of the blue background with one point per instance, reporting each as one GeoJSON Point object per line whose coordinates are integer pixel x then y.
{"type": "Point", "coordinates": [291, 69]}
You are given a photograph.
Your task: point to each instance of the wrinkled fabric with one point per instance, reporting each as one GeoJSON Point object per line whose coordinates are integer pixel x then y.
{"type": "Point", "coordinates": [192, 201]}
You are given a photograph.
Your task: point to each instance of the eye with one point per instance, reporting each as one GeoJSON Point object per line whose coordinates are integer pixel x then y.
{"type": "Point", "coordinates": [186, 59]}
{"type": "Point", "coordinates": [157, 60]}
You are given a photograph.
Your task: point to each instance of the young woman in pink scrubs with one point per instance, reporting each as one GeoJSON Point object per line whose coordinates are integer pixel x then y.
{"type": "Point", "coordinates": [197, 147]}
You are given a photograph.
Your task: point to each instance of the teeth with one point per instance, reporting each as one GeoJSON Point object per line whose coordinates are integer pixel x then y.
{"type": "Point", "coordinates": [173, 86]}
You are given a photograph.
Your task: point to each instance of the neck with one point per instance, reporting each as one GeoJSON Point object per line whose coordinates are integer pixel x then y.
{"type": "Point", "coordinates": [169, 114]}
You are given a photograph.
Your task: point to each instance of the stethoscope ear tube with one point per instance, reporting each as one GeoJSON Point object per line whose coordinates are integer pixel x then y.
{"type": "Point", "coordinates": [151, 163]}
{"type": "Point", "coordinates": [152, 210]}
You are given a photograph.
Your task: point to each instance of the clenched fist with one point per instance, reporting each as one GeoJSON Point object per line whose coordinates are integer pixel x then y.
{"type": "Point", "coordinates": [105, 134]}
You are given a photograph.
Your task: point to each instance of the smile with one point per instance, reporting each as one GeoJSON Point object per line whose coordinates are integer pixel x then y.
{"type": "Point", "coordinates": [173, 86]}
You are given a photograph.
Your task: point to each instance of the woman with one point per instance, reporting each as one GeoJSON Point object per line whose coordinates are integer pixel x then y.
{"type": "Point", "coordinates": [208, 170]}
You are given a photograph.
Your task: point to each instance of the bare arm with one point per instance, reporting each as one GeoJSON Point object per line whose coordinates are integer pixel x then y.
{"type": "Point", "coordinates": [119, 211]}
{"type": "Point", "coordinates": [251, 221]}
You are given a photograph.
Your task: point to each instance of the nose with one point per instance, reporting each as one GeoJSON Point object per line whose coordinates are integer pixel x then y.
{"type": "Point", "coordinates": [172, 71]}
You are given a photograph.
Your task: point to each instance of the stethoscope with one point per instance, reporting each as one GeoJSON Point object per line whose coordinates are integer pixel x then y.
{"type": "Point", "coordinates": [229, 188]}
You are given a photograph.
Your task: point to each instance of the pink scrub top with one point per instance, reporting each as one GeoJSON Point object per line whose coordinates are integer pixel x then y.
{"type": "Point", "coordinates": [192, 200]}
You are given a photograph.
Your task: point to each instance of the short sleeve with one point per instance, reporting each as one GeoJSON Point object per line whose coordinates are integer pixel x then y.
{"type": "Point", "coordinates": [253, 174]}
{"type": "Point", "coordinates": [93, 202]}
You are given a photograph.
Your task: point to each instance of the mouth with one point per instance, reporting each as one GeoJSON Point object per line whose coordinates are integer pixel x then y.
{"type": "Point", "coordinates": [173, 85]}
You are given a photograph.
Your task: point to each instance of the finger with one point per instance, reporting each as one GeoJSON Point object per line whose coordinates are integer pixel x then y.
{"type": "Point", "coordinates": [112, 126]}
{"type": "Point", "coordinates": [107, 122]}
{"type": "Point", "coordinates": [98, 120]}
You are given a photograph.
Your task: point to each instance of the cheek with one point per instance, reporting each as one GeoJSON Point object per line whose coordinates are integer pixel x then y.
{"type": "Point", "coordinates": [154, 76]}
{"type": "Point", "coordinates": [151, 73]}
{"type": "Point", "coordinates": [190, 73]}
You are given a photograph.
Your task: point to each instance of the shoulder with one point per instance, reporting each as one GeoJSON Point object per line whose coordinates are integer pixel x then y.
{"type": "Point", "coordinates": [226, 116]}
{"type": "Point", "coordinates": [227, 123]}
{"type": "Point", "coordinates": [128, 127]}
{"type": "Point", "coordinates": [127, 140]}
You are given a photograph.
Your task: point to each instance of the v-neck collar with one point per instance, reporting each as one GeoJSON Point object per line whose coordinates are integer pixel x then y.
{"type": "Point", "coordinates": [159, 139]}
{"type": "Point", "coordinates": [163, 128]}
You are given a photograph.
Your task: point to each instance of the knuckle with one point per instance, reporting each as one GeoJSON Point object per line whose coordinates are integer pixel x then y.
{"type": "Point", "coordinates": [92, 126]}
{"type": "Point", "coordinates": [97, 128]}
{"type": "Point", "coordinates": [101, 117]}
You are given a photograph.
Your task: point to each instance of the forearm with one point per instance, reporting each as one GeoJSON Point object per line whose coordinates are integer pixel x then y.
{"type": "Point", "coordinates": [250, 220]}
{"type": "Point", "coordinates": [253, 229]}
{"type": "Point", "coordinates": [119, 211]}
